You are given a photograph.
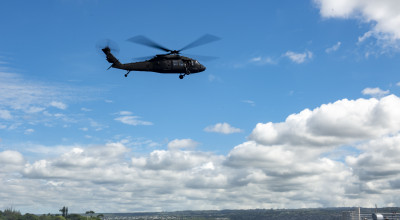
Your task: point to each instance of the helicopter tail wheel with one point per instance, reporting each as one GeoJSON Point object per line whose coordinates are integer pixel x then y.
{"type": "Point", "coordinates": [181, 76]}
{"type": "Point", "coordinates": [126, 74]}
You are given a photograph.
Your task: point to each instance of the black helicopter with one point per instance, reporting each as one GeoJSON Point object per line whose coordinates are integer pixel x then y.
{"type": "Point", "coordinates": [171, 62]}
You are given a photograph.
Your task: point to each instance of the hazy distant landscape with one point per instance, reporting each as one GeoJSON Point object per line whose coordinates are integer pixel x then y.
{"type": "Point", "coordinates": [281, 214]}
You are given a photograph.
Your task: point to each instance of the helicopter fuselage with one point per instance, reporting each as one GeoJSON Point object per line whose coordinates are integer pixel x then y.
{"type": "Point", "coordinates": [165, 64]}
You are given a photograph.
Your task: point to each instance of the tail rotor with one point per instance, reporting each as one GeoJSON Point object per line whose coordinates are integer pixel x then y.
{"type": "Point", "coordinates": [108, 44]}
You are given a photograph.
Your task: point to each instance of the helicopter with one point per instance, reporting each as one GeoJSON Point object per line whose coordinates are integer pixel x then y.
{"type": "Point", "coordinates": [171, 62]}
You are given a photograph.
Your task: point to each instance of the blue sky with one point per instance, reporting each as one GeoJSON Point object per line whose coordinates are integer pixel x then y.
{"type": "Point", "coordinates": [302, 90]}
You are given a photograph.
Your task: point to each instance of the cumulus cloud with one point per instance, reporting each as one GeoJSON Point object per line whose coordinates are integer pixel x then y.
{"type": "Point", "coordinates": [11, 157]}
{"type": "Point", "coordinates": [106, 172]}
{"type": "Point", "coordinates": [377, 167]}
{"type": "Point", "coordinates": [333, 124]}
{"type": "Point", "coordinates": [282, 165]}
{"type": "Point", "coordinates": [382, 15]}
{"type": "Point", "coordinates": [11, 161]}
{"type": "Point", "coordinates": [298, 57]}
{"type": "Point", "coordinates": [223, 128]}
{"type": "Point", "coordinates": [333, 48]}
{"type": "Point", "coordinates": [126, 117]}
{"type": "Point", "coordinates": [374, 92]}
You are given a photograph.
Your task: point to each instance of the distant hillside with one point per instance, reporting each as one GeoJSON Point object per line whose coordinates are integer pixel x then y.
{"type": "Point", "coordinates": [256, 214]}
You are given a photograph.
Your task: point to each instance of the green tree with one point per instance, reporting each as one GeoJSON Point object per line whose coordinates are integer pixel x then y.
{"type": "Point", "coordinates": [11, 214]}
{"type": "Point", "coordinates": [75, 217]}
{"type": "Point", "coordinates": [28, 216]}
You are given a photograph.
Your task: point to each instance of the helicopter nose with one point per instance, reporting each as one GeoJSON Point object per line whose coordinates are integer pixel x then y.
{"type": "Point", "coordinates": [202, 68]}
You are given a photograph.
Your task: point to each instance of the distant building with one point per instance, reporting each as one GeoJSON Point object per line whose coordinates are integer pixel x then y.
{"type": "Point", "coordinates": [352, 215]}
{"type": "Point", "coordinates": [357, 215]}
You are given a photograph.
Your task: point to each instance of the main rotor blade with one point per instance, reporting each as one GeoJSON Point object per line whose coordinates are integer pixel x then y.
{"type": "Point", "coordinates": [208, 38]}
{"type": "Point", "coordinates": [140, 39]}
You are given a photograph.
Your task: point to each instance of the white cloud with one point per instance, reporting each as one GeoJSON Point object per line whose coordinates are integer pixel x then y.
{"type": "Point", "coordinates": [298, 57]}
{"type": "Point", "coordinates": [129, 119]}
{"type": "Point", "coordinates": [34, 109]}
{"type": "Point", "coordinates": [223, 128]}
{"type": "Point", "coordinates": [22, 99]}
{"type": "Point", "coordinates": [382, 15]}
{"type": "Point", "coordinates": [282, 165]}
{"type": "Point", "coordinates": [377, 168]}
{"type": "Point", "coordinates": [58, 105]}
{"type": "Point", "coordinates": [398, 84]}
{"type": "Point", "coordinates": [11, 161]}
{"type": "Point", "coordinates": [17, 93]}
{"type": "Point", "coordinates": [125, 113]}
{"type": "Point", "coordinates": [11, 157]}
{"type": "Point", "coordinates": [29, 131]}
{"type": "Point", "coordinates": [374, 92]}
{"type": "Point", "coordinates": [250, 102]}
{"type": "Point", "coordinates": [263, 60]}
{"type": "Point", "coordinates": [333, 124]}
{"type": "Point", "coordinates": [132, 120]}
{"type": "Point", "coordinates": [5, 114]}
{"type": "Point", "coordinates": [96, 125]}
{"type": "Point", "coordinates": [333, 48]}
{"type": "Point", "coordinates": [182, 143]}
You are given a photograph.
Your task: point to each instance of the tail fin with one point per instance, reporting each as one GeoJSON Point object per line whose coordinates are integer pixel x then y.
{"type": "Point", "coordinates": [110, 58]}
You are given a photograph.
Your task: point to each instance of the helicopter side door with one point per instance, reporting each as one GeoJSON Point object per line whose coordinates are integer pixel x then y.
{"type": "Point", "coordinates": [178, 66]}
{"type": "Point", "coordinates": [167, 65]}
{"type": "Point", "coordinates": [162, 66]}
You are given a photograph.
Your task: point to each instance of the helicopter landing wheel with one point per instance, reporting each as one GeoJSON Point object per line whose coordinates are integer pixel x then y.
{"type": "Point", "coordinates": [181, 76]}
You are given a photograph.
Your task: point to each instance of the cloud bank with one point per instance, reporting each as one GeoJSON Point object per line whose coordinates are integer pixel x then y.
{"type": "Point", "coordinates": [282, 165]}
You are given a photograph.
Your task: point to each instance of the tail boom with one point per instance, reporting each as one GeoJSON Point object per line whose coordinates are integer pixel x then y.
{"type": "Point", "coordinates": [111, 58]}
